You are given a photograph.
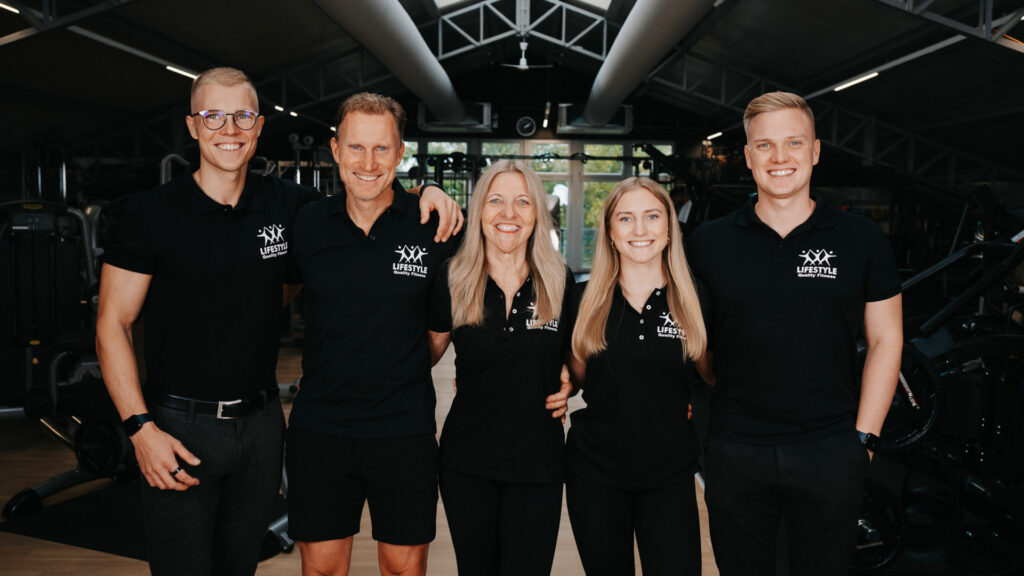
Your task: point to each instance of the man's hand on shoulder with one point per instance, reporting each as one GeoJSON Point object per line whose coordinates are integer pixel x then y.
{"type": "Point", "coordinates": [450, 218]}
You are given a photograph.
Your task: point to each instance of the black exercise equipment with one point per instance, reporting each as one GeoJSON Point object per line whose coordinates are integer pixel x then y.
{"type": "Point", "coordinates": [48, 368]}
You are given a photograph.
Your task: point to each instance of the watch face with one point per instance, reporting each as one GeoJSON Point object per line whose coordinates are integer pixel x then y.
{"type": "Point", "coordinates": [526, 126]}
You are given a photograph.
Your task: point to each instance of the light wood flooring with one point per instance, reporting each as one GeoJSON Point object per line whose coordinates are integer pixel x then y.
{"type": "Point", "coordinates": [28, 456]}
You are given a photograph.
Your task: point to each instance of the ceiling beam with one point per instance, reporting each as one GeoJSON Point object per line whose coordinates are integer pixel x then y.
{"type": "Point", "coordinates": [988, 27]}
{"type": "Point", "coordinates": [857, 133]}
{"type": "Point", "coordinates": [48, 19]}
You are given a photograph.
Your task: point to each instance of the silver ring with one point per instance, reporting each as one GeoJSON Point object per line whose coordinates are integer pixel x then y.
{"type": "Point", "coordinates": [174, 473]}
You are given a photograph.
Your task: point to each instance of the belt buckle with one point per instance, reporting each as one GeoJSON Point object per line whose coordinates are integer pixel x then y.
{"type": "Point", "coordinates": [220, 409]}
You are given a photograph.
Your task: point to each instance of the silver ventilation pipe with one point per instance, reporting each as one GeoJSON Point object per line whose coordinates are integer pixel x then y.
{"type": "Point", "coordinates": [388, 32]}
{"type": "Point", "coordinates": [652, 28]}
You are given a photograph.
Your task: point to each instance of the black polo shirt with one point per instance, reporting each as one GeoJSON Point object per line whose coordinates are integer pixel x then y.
{"type": "Point", "coordinates": [498, 426]}
{"type": "Point", "coordinates": [366, 362]}
{"type": "Point", "coordinates": [634, 433]}
{"type": "Point", "coordinates": [783, 320]}
{"type": "Point", "coordinates": [212, 313]}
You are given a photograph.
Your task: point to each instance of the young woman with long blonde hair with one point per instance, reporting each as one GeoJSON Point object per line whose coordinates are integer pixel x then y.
{"type": "Point", "coordinates": [632, 452]}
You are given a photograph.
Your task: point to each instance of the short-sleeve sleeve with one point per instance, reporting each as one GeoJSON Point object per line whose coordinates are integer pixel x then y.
{"type": "Point", "coordinates": [303, 197]}
{"type": "Point", "coordinates": [568, 316]}
{"type": "Point", "coordinates": [129, 245]}
{"type": "Point", "coordinates": [439, 305]}
{"type": "Point", "coordinates": [706, 310]}
{"type": "Point", "coordinates": [882, 280]}
{"type": "Point", "coordinates": [692, 249]}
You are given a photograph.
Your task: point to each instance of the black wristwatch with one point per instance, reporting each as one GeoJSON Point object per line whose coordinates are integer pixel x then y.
{"type": "Point", "coordinates": [423, 187]}
{"type": "Point", "coordinates": [869, 440]}
{"type": "Point", "coordinates": [133, 424]}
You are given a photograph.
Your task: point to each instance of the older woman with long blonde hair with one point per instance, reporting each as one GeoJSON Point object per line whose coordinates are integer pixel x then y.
{"type": "Point", "coordinates": [632, 452]}
{"type": "Point", "coordinates": [502, 448]}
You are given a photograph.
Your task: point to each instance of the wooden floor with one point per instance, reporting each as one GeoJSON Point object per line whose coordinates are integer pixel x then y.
{"type": "Point", "coordinates": [28, 456]}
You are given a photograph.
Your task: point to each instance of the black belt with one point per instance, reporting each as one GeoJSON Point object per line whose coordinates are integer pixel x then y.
{"type": "Point", "coordinates": [226, 409]}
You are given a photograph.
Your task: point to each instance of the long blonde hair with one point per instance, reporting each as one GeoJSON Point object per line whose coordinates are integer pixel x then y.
{"type": "Point", "coordinates": [467, 272]}
{"type": "Point", "coordinates": [683, 304]}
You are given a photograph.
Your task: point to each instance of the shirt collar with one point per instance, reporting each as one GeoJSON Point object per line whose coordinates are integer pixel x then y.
{"type": "Point", "coordinates": [402, 202]}
{"type": "Point", "coordinates": [822, 217]}
{"type": "Point", "coordinates": [203, 204]}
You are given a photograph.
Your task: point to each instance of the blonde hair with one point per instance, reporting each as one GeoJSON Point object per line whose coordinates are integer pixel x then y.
{"type": "Point", "coordinates": [772, 101]}
{"type": "Point", "coordinates": [588, 338]}
{"type": "Point", "coordinates": [223, 77]}
{"type": "Point", "coordinates": [467, 272]}
{"type": "Point", "coordinates": [375, 104]}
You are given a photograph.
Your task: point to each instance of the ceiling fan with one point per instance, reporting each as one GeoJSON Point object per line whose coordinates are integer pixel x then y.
{"type": "Point", "coordinates": [522, 65]}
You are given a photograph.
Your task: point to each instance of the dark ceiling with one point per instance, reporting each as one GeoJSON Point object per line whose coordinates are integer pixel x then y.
{"type": "Point", "coordinates": [112, 113]}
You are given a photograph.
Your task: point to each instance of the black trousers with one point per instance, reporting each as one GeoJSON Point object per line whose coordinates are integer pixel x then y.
{"type": "Point", "coordinates": [813, 488]}
{"type": "Point", "coordinates": [217, 527]}
{"type": "Point", "coordinates": [664, 520]}
{"type": "Point", "coordinates": [501, 528]}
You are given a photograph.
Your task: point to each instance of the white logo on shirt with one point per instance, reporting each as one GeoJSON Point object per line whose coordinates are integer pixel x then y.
{"type": "Point", "coordinates": [669, 328]}
{"type": "Point", "coordinates": [273, 241]}
{"type": "Point", "coordinates": [534, 324]}
{"type": "Point", "coordinates": [410, 262]}
{"type": "Point", "coordinates": [817, 264]}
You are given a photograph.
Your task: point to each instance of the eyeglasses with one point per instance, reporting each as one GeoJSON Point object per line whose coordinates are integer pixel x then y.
{"type": "Point", "coordinates": [215, 119]}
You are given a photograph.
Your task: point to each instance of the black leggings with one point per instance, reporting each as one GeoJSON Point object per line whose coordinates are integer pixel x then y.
{"type": "Point", "coordinates": [501, 528]}
{"type": "Point", "coordinates": [664, 519]}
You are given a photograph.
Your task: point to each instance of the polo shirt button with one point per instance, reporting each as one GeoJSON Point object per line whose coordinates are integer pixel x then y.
{"type": "Point", "coordinates": [641, 320]}
{"type": "Point", "coordinates": [511, 329]}
{"type": "Point", "coordinates": [648, 306]}
{"type": "Point", "coordinates": [513, 310]}
{"type": "Point", "coordinates": [641, 336]}
{"type": "Point", "coordinates": [657, 293]}
{"type": "Point", "coordinates": [517, 293]}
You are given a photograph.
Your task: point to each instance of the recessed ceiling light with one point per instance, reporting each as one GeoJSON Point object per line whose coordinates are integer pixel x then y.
{"type": "Point", "coordinates": [185, 73]}
{"type": "Point", "coordinates": [864, 78]}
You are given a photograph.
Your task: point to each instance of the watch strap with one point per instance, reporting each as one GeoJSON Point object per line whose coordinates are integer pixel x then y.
{"type": "Point", "coordinates": [133, 424]}
{"type": "Point", "coordinates": [868, 440]}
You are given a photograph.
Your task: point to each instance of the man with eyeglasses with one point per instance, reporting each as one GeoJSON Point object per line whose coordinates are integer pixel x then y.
{"type": "Point", "coordinates": [205, 257]}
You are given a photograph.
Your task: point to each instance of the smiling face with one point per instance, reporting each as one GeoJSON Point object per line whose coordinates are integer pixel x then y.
{"type": "Point", "coordinates": [508, 214]}
{"type": "Point", "coordinates": [638, 227]}
{"type": "Point", "coordinates": [368, 150]}
{"type": "Point", "coordinates": [781, 151]}
{"type": "Point", "coordinates": [227, 149]}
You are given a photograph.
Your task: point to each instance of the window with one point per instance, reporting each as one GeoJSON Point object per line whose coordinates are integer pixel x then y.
{"type": "Point", "coordinates": [594, 194]}
{"type": "Point", "coordinates": [560, 190]}
{"type": "Point", "coordinates": [500, 149]}
{"type": "Point", "coordinates": [644, 168]}
{"type": "Point", "coordinates": [603, 166]}
{"type": "Point", "coordinates": [409, 157]}
{"type": "Point", "coordinates": [550, 165]}
{"type": "Point", "coordinates": [446, 147]}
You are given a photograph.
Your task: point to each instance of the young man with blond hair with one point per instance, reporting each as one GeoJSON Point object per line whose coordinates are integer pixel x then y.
{"type": "Point", "coordinates": [791, 285]}
{"type": "Point", "coordinates": [205, 258]}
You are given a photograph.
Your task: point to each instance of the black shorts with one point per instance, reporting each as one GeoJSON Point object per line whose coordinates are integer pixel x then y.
{"type": "Point", "coordinates": [329, 479]}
